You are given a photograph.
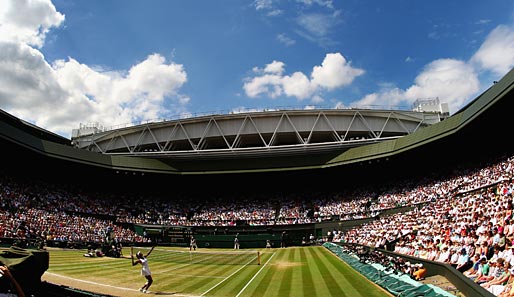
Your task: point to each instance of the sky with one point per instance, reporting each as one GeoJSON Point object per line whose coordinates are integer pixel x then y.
{"type": "Point", "coordinates": [67, 63]}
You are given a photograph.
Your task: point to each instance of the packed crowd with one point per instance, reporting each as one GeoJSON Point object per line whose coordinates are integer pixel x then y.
{"type": "Point", "coordinates": [37, 212]}
{"type": "Point", "coordinates": [468, 224]}
{"type": "Point", "coordinates": [451, 211]}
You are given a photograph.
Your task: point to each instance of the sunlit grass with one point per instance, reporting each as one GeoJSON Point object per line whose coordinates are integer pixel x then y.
{"type": "Point", "coordinates": [292, 271]}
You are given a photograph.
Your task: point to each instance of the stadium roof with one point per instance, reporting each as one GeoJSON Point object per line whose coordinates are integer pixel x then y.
{"type": "Point", "coordinates": [482, 127]}
{"type": "Point", "coordinates": [263, 134]}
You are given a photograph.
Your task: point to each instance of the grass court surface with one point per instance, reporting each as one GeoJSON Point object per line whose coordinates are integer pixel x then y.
{"type": "Point", "coordinates": [293, 271]}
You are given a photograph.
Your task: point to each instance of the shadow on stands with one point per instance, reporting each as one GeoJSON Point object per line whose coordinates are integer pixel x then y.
{"type": "Point", "coordinates": [391, 276]}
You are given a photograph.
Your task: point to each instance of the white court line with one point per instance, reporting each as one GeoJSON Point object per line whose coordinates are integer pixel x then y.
{"type": "Point", "coordinates": [255, 275]}
{"type": "Point", "coordinates": [227, 277]}
{"type": "Point", "coordinates": [90, 282]}
{"type": "Point", "coordinates": [115, 287]}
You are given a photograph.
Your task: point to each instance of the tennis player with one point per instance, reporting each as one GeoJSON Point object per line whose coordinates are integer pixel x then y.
{"type": "Point", "coordinates": [145, 269]}
{"type": "Point", "coordinates": [192, 244]}
{"type": "Point", "coordinates": [236, 242]}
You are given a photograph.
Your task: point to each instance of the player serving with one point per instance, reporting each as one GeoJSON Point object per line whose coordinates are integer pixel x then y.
{"type": "Point", "coordinates": [145, 269]}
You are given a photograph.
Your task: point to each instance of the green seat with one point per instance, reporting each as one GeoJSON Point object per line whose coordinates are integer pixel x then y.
{"type": "Point", "coordinates": [420, 291]}
{"type": "Point", "coordinates": [398, 289]}
{"type": "Point", "coordinates": [386, 280]}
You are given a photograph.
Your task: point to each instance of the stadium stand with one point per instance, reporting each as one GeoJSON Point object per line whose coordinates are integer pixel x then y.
{"type": "Point", "coordinates": [444, 189]}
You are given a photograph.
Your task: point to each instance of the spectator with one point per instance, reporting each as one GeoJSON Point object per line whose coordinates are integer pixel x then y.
{"type": "Point", "coordinates": [419, 272]}
{"type": "Point", "coordinates": [499, 279]}
{"type": "Point", "coordinates": [463, 262]}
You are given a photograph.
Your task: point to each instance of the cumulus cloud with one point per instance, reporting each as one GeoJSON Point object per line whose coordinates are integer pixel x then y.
{"type": "Point", "coordinates": [25, 77]}
{"type": "Point", "coordinates": [31, 26]}
{"type": "Point", "coordinates": [275, 67]}
{"type": "Point", "coordinates": [496, 54]}
{"type": "Point", "coordinates": [297, 85]}
{"type": "Point", "coordinates": [452, 81]}
{"type": "Point", "coordinates": [59, 96]}
{"type": "Point", "coordinates": [333, 73]}
{"type": "Point", "coordinates": [268, 84]}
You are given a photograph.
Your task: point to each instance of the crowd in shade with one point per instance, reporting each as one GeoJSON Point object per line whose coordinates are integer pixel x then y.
{"type": "Point", "coordinates": [470, 209]}
{"type": "Point", "coordinates": [467, 224]}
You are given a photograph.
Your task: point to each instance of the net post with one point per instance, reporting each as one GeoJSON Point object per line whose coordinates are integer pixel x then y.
{"type": "Point", "coordinates": [258, 258]}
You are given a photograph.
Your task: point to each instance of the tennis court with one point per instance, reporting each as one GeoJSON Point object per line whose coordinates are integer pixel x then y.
{"type": "Point", "coordinates": [293, 271]}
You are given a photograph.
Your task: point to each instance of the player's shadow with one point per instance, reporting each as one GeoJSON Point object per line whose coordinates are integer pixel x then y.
{"type": "Point", "coordinates": [163, 293]}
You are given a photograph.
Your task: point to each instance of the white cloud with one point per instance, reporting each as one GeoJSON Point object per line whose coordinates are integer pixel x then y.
{"type": "Point", "coordinates": [496, 54]}
{"type": "Point", "coordinates": [297, 85]}
{"type": "Point", "coordinates": [452, 81]}
{"type": "Point", "coordinates": [385, 99]}
{"type": "Point", "coordinates": [156, 79]}
{"type": "Point", "coordinates": [275, 67]}
{"type": "Point", "coordinates": [335, 72]}
{"type": "Point", "coordinates": [30, 89]}
{"type": "Point", "coordinates": [118, 98]}
{"type": "Point", "coordinates": [27, 21]}
{"type": "Point", "coordinates": [266, 84]}
{"type": "Point", "coordinates": [59, 96]}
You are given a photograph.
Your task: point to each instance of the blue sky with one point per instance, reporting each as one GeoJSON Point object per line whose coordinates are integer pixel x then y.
{"type": "Point", "coordinates": [116, 62]}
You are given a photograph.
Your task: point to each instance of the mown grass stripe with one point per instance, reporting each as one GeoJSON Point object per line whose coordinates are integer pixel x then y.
{"type": "Point", "coordinates": [254, 276]}
{"type": "Point", "coordinates": [353, 278]}
{"type": "Point", "coordinates": [279, 265]}
{"type": "Point", "coordinates": [260, 286]}
{"type": "Point", "coordinates": [225, 279]}
{"type": "Point", "coordinates": [320, 284]}
{"type": "Point", "coordinates": [307, 282]}
{"type": "Point", "coordinates": [236, 283]}
{"type": "Point", "coordinates": [201, 285]}
{"type": "Point", "coordinates": [296, 269]}
{"type": "Point", "coordinates": [352, 282]}
{"type": "Point", "coordinates": [347, 278]}
{"type": "Point", "coordinates": [332, 283]}
{"type": "Point", "coordinates": [293, 271]}
{"type": "Point", "coordinates": [285, 284]}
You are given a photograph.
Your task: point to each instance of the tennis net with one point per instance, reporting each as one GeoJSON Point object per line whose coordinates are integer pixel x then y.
{"type": "Point", "coordinates": [202, 257]}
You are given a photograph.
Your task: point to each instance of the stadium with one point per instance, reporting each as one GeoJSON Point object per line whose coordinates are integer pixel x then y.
{"type": "Point", "coordinates": [366, 189]}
